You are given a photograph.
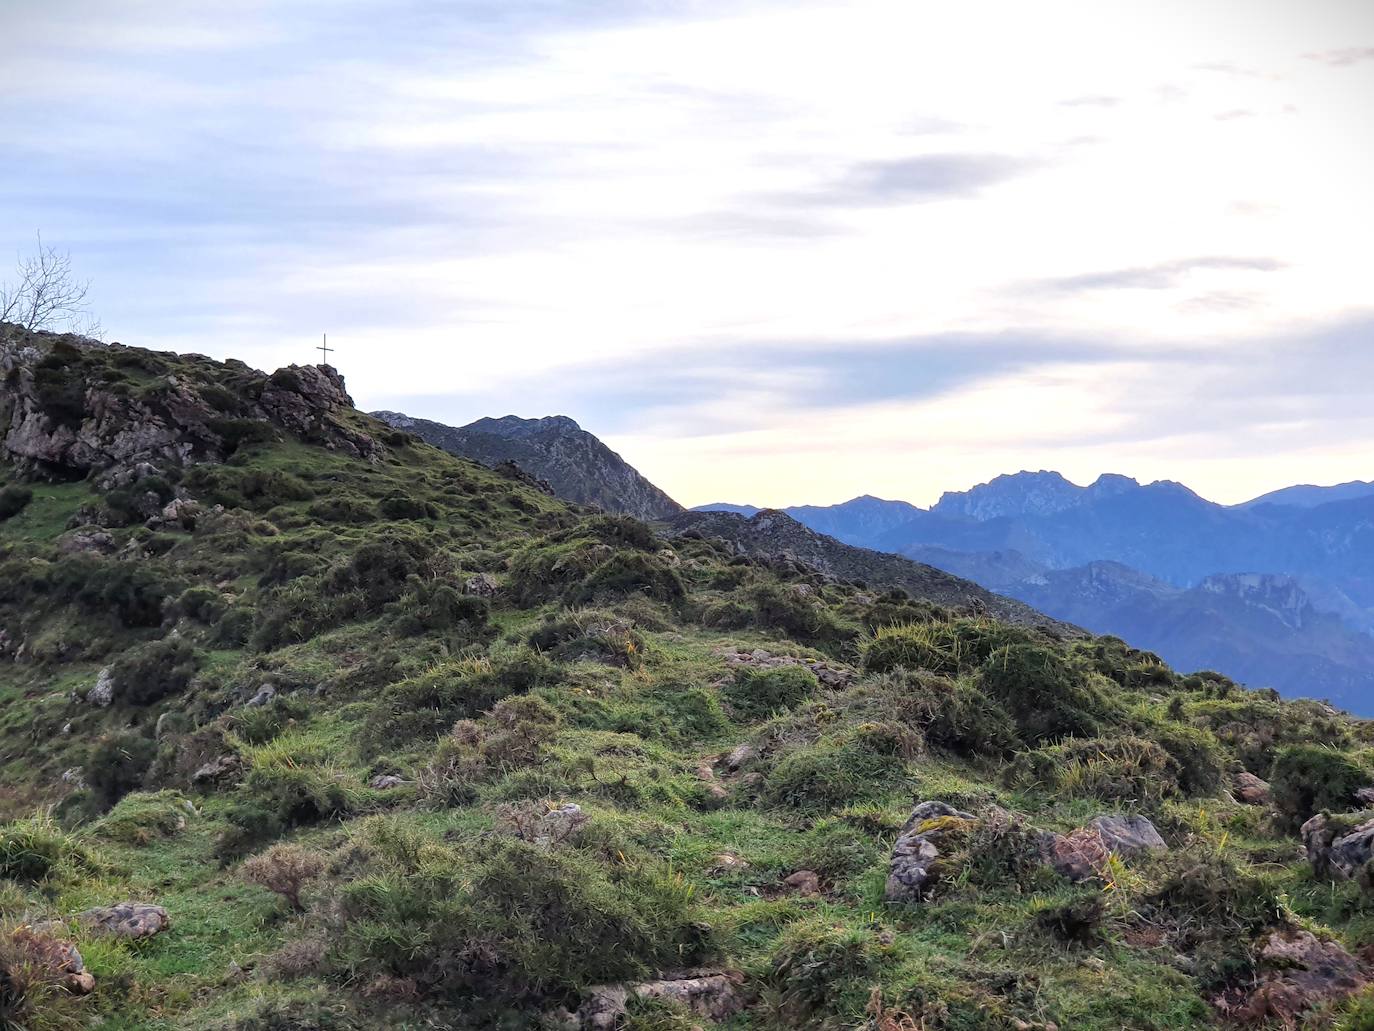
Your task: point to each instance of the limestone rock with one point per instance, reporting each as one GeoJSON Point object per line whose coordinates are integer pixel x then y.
{"type": "Point", "coordinates": [710, 994]}
{"type": "Point", "coordinates": [1299, 972]}
{"type": "Point", "coordinates": [1335, 851]}
{"type": "Point", "coordinates": [482, 585]}
{"type": "Point", "coordinates": [1128, 835]}
{"type": "Point", "coordinates": [1251, 789]}
{"type": "Point", "coordinates": [102, 692]}
{"type": "Point", "coordinates": [385, 781]}
{"type": "Point", "coordinates": [741, 756]}
{"type": "Point", "coordinates": [130, 920]}
{"type": "Point", "coordinates": [917, 849]}
{"type": "Point", "coordinates": [803, 882]}
{"type": "Point", "coordinates": [1078, 856]}
{"type": "Point", "coordinates": [264, 695]}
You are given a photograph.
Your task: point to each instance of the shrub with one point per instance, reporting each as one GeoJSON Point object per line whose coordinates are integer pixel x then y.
{"type": "Point", "coordinates": [819, 970]}
{"type": "Point", "coordinates": [133, 591]}
{"type": "Point", "coordinates": [830, 774]}
{"type": "Point", "coordinates": [424, 706]}
{"type": "Point", "coordinates": [798, 616]}
{"type": "Point", "coordinates": [834, 848]}
{"type": "Point", "coordinates": [13, 500]}
{"type": "Point", "coordinates": [153, 671]}
{"type": "Point", "coordinates": [1309, 778]}
{"type": "Point", "coordinates": [912, 646]}
{"type": "Point", "coordinates": [954, 715]}
{"type": "Point", "coordinates": [296, 795]}
{"type": "Point", "coordinates": [1044, 695]}
{"type": "Point", "coordinates": [35, 849]}
{"type": "Point", "coordinates": [201, 604]}
{"type": "Point", "coordinates": [1201, 761]}
{"type": "Point", "coordinates": [117, 764]}
{"type": "Point", "coordinates": [631, 572]}
{"type": "Point", "coordinates": [1210, 887]}
{"type": "Point", "coordinates": [439, 606]}
{"type": "Point", "coordinates": [285, 869]}
{"type": "Point", "coordinates": [578, 634]}
{"type": "Point", "coordinates": [756, 693]}
{"type": "Point", "coordinates": [140, 818]}
{"type": "Point", "coordinates": [34, 983]}
{"type": "Point", "coordinates": [1112, 769]}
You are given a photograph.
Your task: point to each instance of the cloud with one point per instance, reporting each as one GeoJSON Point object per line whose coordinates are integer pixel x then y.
{"type": "Point", "coordinates": [1155, 277]}
{"type": "Point", "coordinates": [926, 177]}
{"type": "Point", "coordinates": [1342, 57]}
{"type": "Point", "coordinates": [1092, 100]}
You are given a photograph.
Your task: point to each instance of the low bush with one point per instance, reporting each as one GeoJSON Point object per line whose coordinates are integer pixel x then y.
{"type": "Point", "coordinates": [821, 974]}
{"type": "Point", "coordinates": [285, 869]}
{"type": "Point", "coordinates": [832, 773]}
{"type": "Point", "coordinates": [154, 671]}
{"type": "Point", "coordinates": [631, 572]}
{"type": "Point", "coordinates": [117, 764]}
{"type": "Point", "coordinates": [1045, 696]}
{"type": "Point", "coordinates": [14, 498]}
{"type": "Point", "coordinates": [1115, 769]}
{"type": "Point", "coordinates": [425, 706]}
{"type": "Point", "coordinates": [1309, 778]}
{"type": "Point", "coordinates": [756, 693]}
{"type": "Point", "coordinates": [140, 818]}
{"type": "Point", "coordinates": [578, 634]}
{"type": "Point", "coordinates": [37, 849]}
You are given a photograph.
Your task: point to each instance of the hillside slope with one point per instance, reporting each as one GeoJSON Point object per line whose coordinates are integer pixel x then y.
{"type": "Point", "coordinates": [307, 725]}
{"type": "Point", "coordinates": [575, 463]}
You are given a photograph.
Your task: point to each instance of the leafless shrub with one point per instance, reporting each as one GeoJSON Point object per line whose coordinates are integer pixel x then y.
{"type": "Point", "coordinates": [285, 869]}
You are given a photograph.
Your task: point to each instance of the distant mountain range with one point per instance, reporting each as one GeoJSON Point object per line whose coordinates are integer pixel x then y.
{"type": "Point", "coordinates": [1278, 591]}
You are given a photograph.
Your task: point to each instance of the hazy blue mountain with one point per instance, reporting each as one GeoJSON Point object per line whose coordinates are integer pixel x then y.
{"type": "Point", "coordinates": [1307, 496]}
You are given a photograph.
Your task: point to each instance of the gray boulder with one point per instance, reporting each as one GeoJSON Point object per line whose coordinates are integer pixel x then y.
{"type": "Point", "coordinates": [102, 692]}
{"type": "Point", "coordinates": [130, 920]}
{"type": "Point", "coordinates": [1336, 850]}
{"type": "Point", "coordinates": [917, 849]}
{"type": "Point", "coordinates": [1128, 835]}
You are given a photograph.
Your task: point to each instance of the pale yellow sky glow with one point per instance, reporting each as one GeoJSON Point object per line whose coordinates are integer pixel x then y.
{"type": "Point", "coordinates": [773, 253]}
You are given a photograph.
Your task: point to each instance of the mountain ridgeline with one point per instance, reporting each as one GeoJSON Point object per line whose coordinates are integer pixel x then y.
{"type": "Point", "coordinates": [574, 463]}
{"type": "Point", "coordinates": [1278, 591]}
{"type": "Point", "coordinates": [309, 725]}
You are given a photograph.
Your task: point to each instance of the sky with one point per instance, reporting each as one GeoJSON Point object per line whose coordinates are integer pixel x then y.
{"type": "Point", "coordinates": [774, 253]}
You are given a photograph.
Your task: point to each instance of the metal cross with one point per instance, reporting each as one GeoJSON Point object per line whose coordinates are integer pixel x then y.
{"type": "Point", "coordinates": [324, 347]}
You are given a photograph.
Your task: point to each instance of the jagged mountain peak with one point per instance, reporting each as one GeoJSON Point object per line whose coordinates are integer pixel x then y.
{"type": "Point", "coordinates": [574, 463]}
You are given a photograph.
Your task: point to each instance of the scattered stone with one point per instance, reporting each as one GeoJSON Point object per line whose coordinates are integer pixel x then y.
{"type": "Point", "coordinates": [727, 862]}
{"type": "Point", "coordinates": [710, 994]}
{"type": "Point", "coordinates": [1128, 835]}
{"type": "Point", "coordinates": [218, 769]}
{"type": "Point", "coordinates": [917, 849]}
{"type": "Point", "coordinates": [828, 673]}
{"type": "Point", "coordinates": [73, 775]}
{"type": "Point", "coordinates": [385, 781]}
{"type": "Point", "coordinates": [1251, 789]}
{"type": "Point", "coordinates": [1078, 856]}
{"type": "Point", "coordinates": [803, 882]}
{"type": "Point", "coordinates": [741, 755]}
{"type": "Point", "coordinates": [42, 946]}
{"type": "Point", "coordinates": [87, 540]}
{"type": "Point", "coordinates": [483, 585]}
{"type": "Point", "coordinates": [130, 920]}
{"type": "Point", "coordinates": [1299, 973]}
{"type": "Point", "coordinates": [102, 692]}
{"type": "Point", "coordinates": [1365, 796]}
{"type": "Point", "coordinates": [1335, 851]}
{"type": "Point", "coordinates": [265, 694]}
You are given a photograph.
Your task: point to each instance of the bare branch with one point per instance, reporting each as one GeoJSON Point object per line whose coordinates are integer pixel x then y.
{"type": "Point", "coordinates": [47, 295]}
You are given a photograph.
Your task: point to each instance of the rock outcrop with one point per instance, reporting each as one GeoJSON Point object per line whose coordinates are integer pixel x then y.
{"type": "Point", "coordinates": [129, 920]}
{"type": "Point", "coordinates": [72, 407]}
{"type": "Point", "coordinates": [1335, 849]}
{"type": "Point", "coordinates": [917, 849]}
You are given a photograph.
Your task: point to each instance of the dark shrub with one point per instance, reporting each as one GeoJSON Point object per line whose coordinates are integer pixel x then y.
{"type": "Point", "coordinates": [439, 606]}
{"type": "Point", "coordinates": [117, 764]}
{"type": "Point", "coordinates": [13, 500]}
{"type": "Point", "coordinates": [133, 591]}
{"type": "Point", "coordinates": [1113, 769]}
{"type": "Point", "coordinates": [755, 693]}
{"type": "Point", "coordinates": [1309, 778]}
{"type": "Point", "coordinates": [832, 773]}
{"type": "Point", "coordinates": [1045, 696]}
{"type": "Point", "coordinates": [151, 672]}
{"type": "Point", "coordinates": [632, 572]}
{"type": "Point", "coordinates": [202, 604]}
{"type": "Point", "coordinates": [238, 433]}
{"type": "Point", "coordinates": [343, 509]}
{"type": "Point", "coordinates": [797, 615]}
{"type": "Point", "coordinates": [1201, 761]}
{"type": "Point", "coordinates": [579, 634]}
{"type": "Point", "coordinates": [403, 506]}
{"type": "Point", "coordinates": [823, 974]}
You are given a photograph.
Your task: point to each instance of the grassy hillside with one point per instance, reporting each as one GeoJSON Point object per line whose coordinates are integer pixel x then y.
{"type": "Point", "coordinates": [399, 743]}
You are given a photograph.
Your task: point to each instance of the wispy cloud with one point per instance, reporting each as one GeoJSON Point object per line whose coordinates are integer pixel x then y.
{"type": "Point", "coordinates": [1162, 276]}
